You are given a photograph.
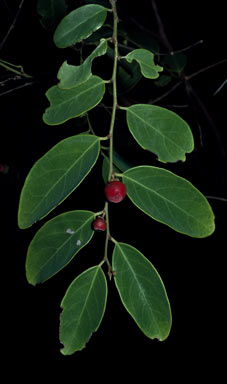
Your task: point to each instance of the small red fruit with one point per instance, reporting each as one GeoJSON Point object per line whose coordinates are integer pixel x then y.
{"type": "Point", "coordinates": [99, 224]}
{"type": "Point", "coordinates": [115, 191]}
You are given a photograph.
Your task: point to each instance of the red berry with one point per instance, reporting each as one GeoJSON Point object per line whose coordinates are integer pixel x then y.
{"type": "Point", "coordinates": [115, 191]}
{"type": "Point", "coordinates": [99, 224]}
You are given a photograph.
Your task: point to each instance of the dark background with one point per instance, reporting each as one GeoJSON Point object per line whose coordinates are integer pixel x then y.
{"type": "Point", "coordinates": [192, 269]}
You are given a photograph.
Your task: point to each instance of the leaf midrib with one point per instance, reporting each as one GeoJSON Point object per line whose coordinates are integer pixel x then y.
{"type": "Point", "coordinates": [157, 131]}
{"type": "Point", "coordinates": [140, 289]}
{"type": "Point", "coordinates": [76, 95]}
{"type": "Point", "coordinates": [64, 175]}
{"type": "Point", "coordinates": [84, 306]}
{"type": "Point", "coordinates": [167, 201]}
{"type": "Point", "coordinates": [63, 244]}
{"type": "Point", "coordinates": [84, 22]}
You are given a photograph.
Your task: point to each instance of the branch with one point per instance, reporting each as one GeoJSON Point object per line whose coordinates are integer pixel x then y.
{"type": "Point", "coordinates": [165, 94]}
{"type": "Point", "coordinates": [11, 67]}
{"type": "Point", "coordinates": [172, 53]}
{"type": "Point", "coordinates": [15, 89]}
{"type": "Point", "coordinates": [162, 33]}
{"type": "Point", "coordinates": [12, 25]}
{"type": "Point", "coordinates": [205, 69]}
{"type": "Point", "coordinates": [191, 92]}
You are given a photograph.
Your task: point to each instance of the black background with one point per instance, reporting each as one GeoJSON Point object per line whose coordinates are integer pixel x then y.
{"type": "Point", "coordinates": [192, 269]}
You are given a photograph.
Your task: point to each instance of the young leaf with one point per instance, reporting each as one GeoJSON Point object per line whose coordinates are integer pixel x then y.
{"type": "Point", "coordinates": [53, 177]}
{"type": "Point", "coordinates": [79, 24]}
{"type": "Point", "coordinates": [66, 104]}
{"type": "Point", "coordinates": [170, 199]}
{"type": "Point", "coordinates": [83, 309]}
{"type": "Point", "coordinates": [72, 75]}
{"type": "Point", "coordinates": [142, 291]}
{"type": "Point", "coordinates": [51, 12]}
{"type": "Point", "coordinates": [160, 131]}
{"type": "Point", "coordinates": [56, 243]}
{"type": "Point", "coordinates": [145, 59]}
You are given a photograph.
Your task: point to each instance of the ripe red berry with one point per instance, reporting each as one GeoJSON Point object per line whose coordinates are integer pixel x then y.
{"type": "Point", "coordinates": [99, 224]}
{"type": "Point", "coordinates": [115, 191]}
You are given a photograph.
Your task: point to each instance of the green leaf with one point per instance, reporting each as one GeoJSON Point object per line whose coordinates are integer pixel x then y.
{"type": "Point", "coordinates": [66, 104]}
{"type": "Point", "coordinates": [51, 12]}
{"type": "Point", "coordinates": [79, 24]}
{"type": "Point", "coordinates": [141, 39]}
{"type": "Point", "coordinates": [163, 81]}
{"type": "Point", "coordinates": [56, 243]}
{"type": "Point", "coordinates": [175, 63]}
{"type": "Point", "coordinates": [105, 168]}
{"type": "Point", "coordinates": [83, 309]}
{"type": "Point", "coordinates": [72, 75]}
{"type": "Point", "coordinates": [128, 77]}
{"type": "Point", "coordinates": [170, 200]}
{"type": "Point", "coordinates": [160, 131]}
{"type": "Point", "coordinates": [142, 291]}
{"type": "Point", "coordinates": [119, 165]}
{"type": "Point", "coordinates": [145, 59]}
{"type": "Point", "coordinates": [54, 176]}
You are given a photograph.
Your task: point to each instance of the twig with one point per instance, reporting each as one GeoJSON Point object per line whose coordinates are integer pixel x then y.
{"type": "Point", "coordinates": [205, 69]}
{"type": "Point", "coordinates": [16, 89]}
{"type": "Point", "coordinates": [11, 67]}
{"type": "Point", "coordinates": [191, 92]}
{"type": "Point", "coordinates": [172, 53]}
{"type": "Point", "coordinates": [216, 198]}
{"type": "Point", "coordinates": [165, 94]}
{"type": "Point", "coordinates": [220, 87]}
{"type": "Point", "coordinates": [12, 25]}
{"type": "Point", "coordinates": [162, 33]}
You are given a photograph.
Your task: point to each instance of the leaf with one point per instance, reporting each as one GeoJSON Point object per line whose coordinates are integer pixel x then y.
{"type": "Point", "coordinates": [119, 165]}
{"type": "Point", "coordinates": [142, 291]}
{"type": "Point", "coordinates": [66, 104]}
{"type": "Point", "coordinates": [83, 309]}
{"type": "Point", "coordinates": [128, 77]}
{"type": "Point", "coordinates": [141, 39]}
{"type": "Point", "coordinates": [170, 200]}
{"type": "Point", "coordinates": [160, 131]}
{"type": "Point", "coordinates": [79, 24]}
{"type": "Point", "coordinates": [56, 243]}
{"type": "Point", "coordinates": [163, 80]}
{"type": "Point", "coordinates": [72, 75]}
{"type": "Point", "coordinates": [145, 59]}
{"type": "Point", "coordinates": [51, 12]}
{"type": "Point", "coordinates": [53, 177]}
{"type": "Point", "coordinates": [105, 168]}
{"type": "Point", "coordinates": [176, 62]}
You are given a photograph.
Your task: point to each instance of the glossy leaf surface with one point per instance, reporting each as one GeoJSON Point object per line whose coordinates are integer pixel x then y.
{"type": "Point", "coordinates": [145, 59]}
{"type": "Point", "coordinates": [66, 104]}
{"type": "Point", "coordinates": [79, 24]}
{"type": "Point", "coordinates": [83, 309]}
{"type": "Point", "coordinates": [56, 243]}
{"type": "Point", "coordinates": [72, 75]}
{"type": "Point", "coordinates": [142, 291]}
{"type": "Point", "coordinates": [55, 176]}
{"type": "Point", "coordinates": [160, 131]}
{"type": "Point", "coordinates": [170, 200]}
